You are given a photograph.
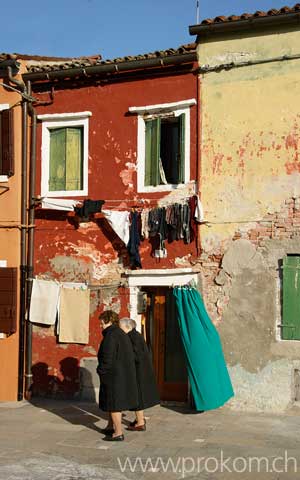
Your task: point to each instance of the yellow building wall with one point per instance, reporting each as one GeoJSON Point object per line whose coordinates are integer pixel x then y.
{"type": "Point", "coordinates": [250, 156]}
{"type": "Point", "coordinates": [10, 206]}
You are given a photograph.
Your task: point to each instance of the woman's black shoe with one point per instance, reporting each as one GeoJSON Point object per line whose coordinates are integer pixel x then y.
{"type": "Point", "coordinates": [107, 431]}
{"type": "Point", "coordinates": [119, 438]}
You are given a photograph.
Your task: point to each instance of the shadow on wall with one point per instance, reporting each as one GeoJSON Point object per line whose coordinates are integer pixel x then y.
{"type": "Point", "coordinates": [67, 386]}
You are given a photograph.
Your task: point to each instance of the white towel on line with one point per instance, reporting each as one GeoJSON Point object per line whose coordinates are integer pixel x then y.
{"type": "Point", "coordinates": [59, 204]}
{"type": "Point", "coordinates": [44, 301]}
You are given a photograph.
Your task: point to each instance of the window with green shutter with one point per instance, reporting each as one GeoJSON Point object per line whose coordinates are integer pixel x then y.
{"type": "Point", "coordinates": [291, 298]}
{"type": "Point", "coordinates": [164, 150]}
{"type": "Point", "coordinates": [66, 159]}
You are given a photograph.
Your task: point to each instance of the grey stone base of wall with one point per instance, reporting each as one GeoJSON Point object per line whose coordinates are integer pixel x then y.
{"type": "Point", "coordinates": [270, 390]}
{"type": "Point", "coordinates": [273, 389]}
{"type": "Point", "coordinates": [89, 380]}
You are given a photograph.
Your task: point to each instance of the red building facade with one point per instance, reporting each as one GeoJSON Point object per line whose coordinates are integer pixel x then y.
{"type": "Point", "coordinates": [132, 125]}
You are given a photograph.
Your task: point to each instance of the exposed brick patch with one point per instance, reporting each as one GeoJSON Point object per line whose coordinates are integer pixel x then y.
{"type": "Point", "coordinates": [284, 224]}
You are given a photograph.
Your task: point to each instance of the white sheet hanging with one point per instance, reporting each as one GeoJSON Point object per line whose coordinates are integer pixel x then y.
{"type": "Point", "coordinates": [59, 204]}
{"type": "Point", "coordinates": [119, 221]}
{"type": "Point", "coordinates": [44, 301]}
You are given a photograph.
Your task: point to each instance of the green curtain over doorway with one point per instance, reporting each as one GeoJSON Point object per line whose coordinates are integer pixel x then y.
{"type": "Point", "coordinates": [208, 375]}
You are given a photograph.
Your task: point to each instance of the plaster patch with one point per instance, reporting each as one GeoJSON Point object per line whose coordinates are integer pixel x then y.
{"type": "Point", "coordinates": [241, 254]}
{"type": "Point", "coordinates": [127, 176]}
{"type": "Point", "coordinates": [183, 261]}
{"type": "Point", "coordinates": [179, 195]}
{"type": "Point", "coordinates": [269, 390]}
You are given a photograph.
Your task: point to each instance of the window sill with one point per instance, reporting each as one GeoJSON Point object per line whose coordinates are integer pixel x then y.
{"type": "Point", "coordinates": [165, 188]}
{"type": "Point", "coordinates": [69, 193]}
{"type": "Point", "coordinates": [3, 178]}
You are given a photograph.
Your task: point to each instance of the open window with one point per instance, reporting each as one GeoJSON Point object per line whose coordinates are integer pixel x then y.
{"type": "Point", "coordinates": [165, 150]}
{"type": "Point", "coordinates": [163, 145]}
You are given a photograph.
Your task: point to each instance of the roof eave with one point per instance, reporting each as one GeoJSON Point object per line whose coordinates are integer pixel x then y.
{"type": "Point", "coordinates": [248, 24]}
{"type": "Point", "coordinates": [133, 65]}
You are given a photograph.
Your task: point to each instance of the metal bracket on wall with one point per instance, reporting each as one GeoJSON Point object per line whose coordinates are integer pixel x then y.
{"type": "Point", "coordinates": [4, 189]}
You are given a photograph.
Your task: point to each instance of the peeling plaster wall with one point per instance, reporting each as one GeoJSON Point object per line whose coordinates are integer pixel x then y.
{"type": "Point", "coordinates": [250, 192]}
{"type": "Point", "coordinates": [250, 132]}
{"type": "Point", "coordinates": [91, 252]}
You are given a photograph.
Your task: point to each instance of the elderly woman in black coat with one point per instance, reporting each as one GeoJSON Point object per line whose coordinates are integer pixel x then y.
{"type": "Point", "coordinates": [147, 389]}
{"type": "Point", "coordinates": [116, 368]}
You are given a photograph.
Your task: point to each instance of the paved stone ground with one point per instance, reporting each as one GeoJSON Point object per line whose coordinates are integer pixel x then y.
{"type": "Point", "coordinates": [51, 440]}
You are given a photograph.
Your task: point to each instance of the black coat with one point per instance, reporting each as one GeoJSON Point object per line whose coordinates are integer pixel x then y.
{"type": "Point", "coordinates": [147, 388]}
{"type": "Point", "coordinates": [116, 368]}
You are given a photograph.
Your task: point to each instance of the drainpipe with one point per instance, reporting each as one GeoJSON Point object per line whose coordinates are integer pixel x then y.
{"type": "Point", "coordinates": [30, 253]}
{"type": "Point", "coordinates": [199, 159]}
{"type": "Point", "coordinates": [23, 268]}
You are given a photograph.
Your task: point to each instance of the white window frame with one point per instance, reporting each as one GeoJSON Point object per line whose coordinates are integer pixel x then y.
{"type": "Point", "coordinates": [177, 108]}
{"type": "Point", "coordinates": [50, 121]}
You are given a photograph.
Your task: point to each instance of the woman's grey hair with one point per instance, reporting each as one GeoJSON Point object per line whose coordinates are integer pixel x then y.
{"type": "Point", "coordinates": [128, 323]}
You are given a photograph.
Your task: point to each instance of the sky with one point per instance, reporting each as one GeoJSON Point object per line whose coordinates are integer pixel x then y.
{"type": "Point", "coordinates": [111, 28]}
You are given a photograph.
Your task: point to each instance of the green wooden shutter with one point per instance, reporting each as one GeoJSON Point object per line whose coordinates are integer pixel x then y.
{"type": "Point", "coordinates": [181, 160]}
{"type": "Point", "coordinates": [74, 159]}
{"type": "Point", "coordinates": [291, 298]}
{"type": "Point", "coordinates": [57, 166]}
{"type": "Point", "coordinates": [152, 153]}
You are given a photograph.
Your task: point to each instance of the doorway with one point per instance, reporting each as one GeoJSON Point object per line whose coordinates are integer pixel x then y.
{"type": "Point", "coordinates": [163, 338]}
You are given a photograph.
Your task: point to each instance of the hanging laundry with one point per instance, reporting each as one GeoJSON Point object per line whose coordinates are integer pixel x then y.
{"type": "Point", "coordinates": [74, 285]}
{"type": "Point", "coordinates": [199, 214]}
{"type": "Point", "coordinates": [44, 301]}
{"type": "Point", "coordinates": [154, 221]}
{"type": "Point", "coordinates": [172, 221]}
{"type": "Point", "coordinates": [134, 242]}
{"type": "Point", "coordinates": [74, 315]}
{"type": "Point", "coordinates": [186, 221]}
{"type": "Point", "coordinates": [157, 223]}
{"type": "Point", "coordinates": [89, 207]}
{"type": "Point", "coordinates": [59, 204]}
{"type": "Point", "coordinates": [193, 228]}
{"type": "Point", "coordinates": [119, 221]}
{"type": "Point", "coordinates": [145, 223]}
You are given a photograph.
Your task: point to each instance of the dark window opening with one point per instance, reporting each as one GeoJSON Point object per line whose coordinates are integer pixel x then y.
{"type": "Point", "coordinates": [165, 150]}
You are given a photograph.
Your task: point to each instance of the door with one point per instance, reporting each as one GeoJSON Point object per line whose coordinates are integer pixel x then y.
{"type": "Point", "coordinates": [165, 345]}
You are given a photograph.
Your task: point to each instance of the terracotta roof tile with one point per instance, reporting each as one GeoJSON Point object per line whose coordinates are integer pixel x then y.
{"type": "Point", "coordinates": [45, 66]}
{"type": "Point", "coordinates": [246, 16]}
